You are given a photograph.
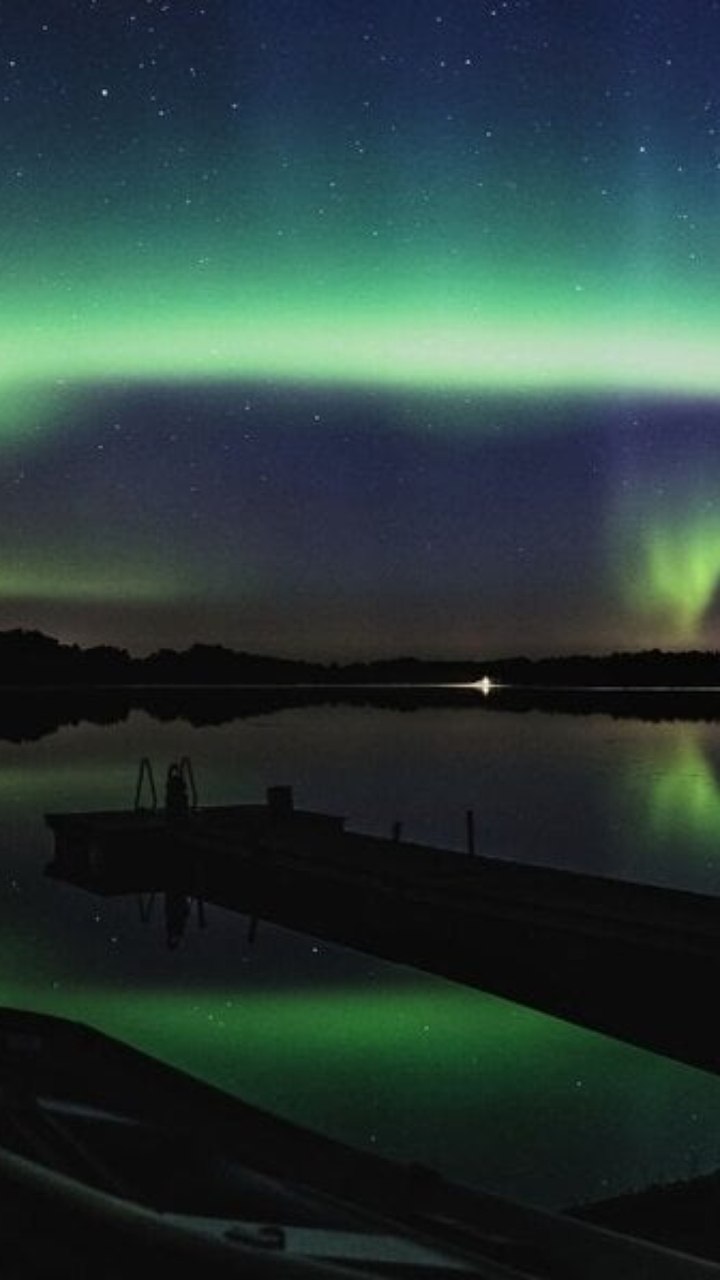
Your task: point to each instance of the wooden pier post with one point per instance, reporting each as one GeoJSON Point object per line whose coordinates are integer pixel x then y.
{"type": "Point", "coordinates": [470, 829]}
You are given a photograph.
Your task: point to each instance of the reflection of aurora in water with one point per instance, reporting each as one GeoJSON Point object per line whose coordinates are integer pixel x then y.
{"type": "Point", "coordinates": [485, 1091]}
{"type": "Point", "coordinates": [684, 799]}
{"type": "Point", "coordinates": [420, 1069]}
{"type": "Point", "coordinates": [688, 795]}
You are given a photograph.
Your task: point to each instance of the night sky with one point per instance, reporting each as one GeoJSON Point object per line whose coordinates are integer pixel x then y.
{"type": "Point", "coordinates": [354, 327]}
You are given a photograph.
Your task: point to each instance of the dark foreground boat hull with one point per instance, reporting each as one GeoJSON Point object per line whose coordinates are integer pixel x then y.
{"type": "Point", "coordinates": [111, 1161]}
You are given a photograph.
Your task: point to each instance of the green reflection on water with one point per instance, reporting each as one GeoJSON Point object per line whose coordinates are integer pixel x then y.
{"type": "Point", "coordinates": [487, 1092]}
{"type": "Point", "coordinates": [685, 796]}
{"type": "Point", "coordinates": [419, 1069]}
{"type": "Point", "coordinates": [53, 784]}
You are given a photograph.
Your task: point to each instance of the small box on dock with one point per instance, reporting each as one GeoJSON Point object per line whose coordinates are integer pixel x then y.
{"type": "Point", "coordinates": [280, 801]}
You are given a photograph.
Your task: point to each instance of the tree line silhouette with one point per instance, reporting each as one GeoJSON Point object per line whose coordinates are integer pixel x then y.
{"type": "Point", "coordinates": [31, 658]}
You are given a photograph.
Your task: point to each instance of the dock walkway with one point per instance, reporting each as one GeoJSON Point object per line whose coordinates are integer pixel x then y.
{"type": "Point", "coordinates": [639, 962]}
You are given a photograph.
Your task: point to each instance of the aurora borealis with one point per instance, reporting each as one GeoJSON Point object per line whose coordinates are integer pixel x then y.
{"type": "Point", "coordinates": [355, 328]}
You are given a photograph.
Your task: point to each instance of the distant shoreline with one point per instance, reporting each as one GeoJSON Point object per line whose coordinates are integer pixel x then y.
{"type": "Point", "coordinates": [31, 659]}
{"type": "Point", "coordinates": [31, 711]}
{"type": "Point", "coordinates": [496, 689]}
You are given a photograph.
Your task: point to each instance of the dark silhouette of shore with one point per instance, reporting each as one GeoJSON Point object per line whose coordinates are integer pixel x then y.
{"type": "Point", "coordinates": [30, 658]}
{"type": "Point", "coordinates": [46, 685]}
{"type": "Point", "coordinates": [647, 668]}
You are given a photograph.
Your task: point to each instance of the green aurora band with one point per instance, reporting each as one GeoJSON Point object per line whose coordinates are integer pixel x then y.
{"type": "Point", "coordinates": [672, 572]}
{"type": "Point", "coordinates": [528, 230]}
{"type": "Point", "coordinates": [486, 356]}
{"type": "Point", "coordinates": [410, 245]}
{"type": "Point", "coordinates": [343, 318]}
{"type": "Point", "coordinates": [105, 581]}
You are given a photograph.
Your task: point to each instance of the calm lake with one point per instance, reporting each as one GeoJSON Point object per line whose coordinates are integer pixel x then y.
{"type": "Point", "coordinates": [496, 1095]}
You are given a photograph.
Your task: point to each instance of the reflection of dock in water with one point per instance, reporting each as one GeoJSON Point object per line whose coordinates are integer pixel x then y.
{"type": "Point", "coordinates": [636, 961]}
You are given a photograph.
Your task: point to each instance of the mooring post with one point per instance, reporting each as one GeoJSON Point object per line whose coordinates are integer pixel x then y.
{"type": "Point", "coordinates": [470, 828]}
{"type": "Point", "coordinates": [146, 908]}
{"type": "Point", "coordinates": [397, 830]}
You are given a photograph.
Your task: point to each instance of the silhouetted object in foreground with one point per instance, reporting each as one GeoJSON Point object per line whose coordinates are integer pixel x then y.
{"type": "Point", "coordinates": [177, 911]}
{"type": "Point", "coordinates": [145, 782]}
{"type": "Point", "coordinates": [177, 801]}
{"type": "Point", "coordinates": [624, 958]}
{"type": "Point", "coordinates": [681, 1215]}
{"type": "Point", "coordinates": [113, 1164]}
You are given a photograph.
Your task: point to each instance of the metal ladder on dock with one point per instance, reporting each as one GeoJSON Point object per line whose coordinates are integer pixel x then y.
{"type": "Point", "coordinates": [179, 782]}
{"type": "Point", "coordinates": [182, 797]}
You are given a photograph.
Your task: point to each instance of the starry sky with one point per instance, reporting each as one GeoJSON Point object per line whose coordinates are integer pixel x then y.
{"type": "Point", "coordinates": [344, 328]}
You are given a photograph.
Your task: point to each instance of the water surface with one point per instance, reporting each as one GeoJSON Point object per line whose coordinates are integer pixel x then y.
{"type": "Point", "coordinates": [500, 1096]}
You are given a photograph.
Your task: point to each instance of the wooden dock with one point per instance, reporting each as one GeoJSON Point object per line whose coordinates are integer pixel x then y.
{"type": "Point", "coordinates": [636, 961]}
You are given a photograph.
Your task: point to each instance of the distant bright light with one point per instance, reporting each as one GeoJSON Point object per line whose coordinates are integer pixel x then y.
{"type": "Point", "coordinates": [484, 685]}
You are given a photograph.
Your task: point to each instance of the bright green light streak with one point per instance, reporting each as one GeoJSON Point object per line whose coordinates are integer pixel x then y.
{"type": "Point", "coordinates": [68, 580]}
{"type": "Point", "coordinates": [517, 358]}
{"type": "Point", "coordinates": [679, 572]}
{"type": "Point", "coordinates": [559, 305]}
{"type": "Point", "coordinates": [392, 320]}
{"type": "Point", "coordinates": [508, 358]}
